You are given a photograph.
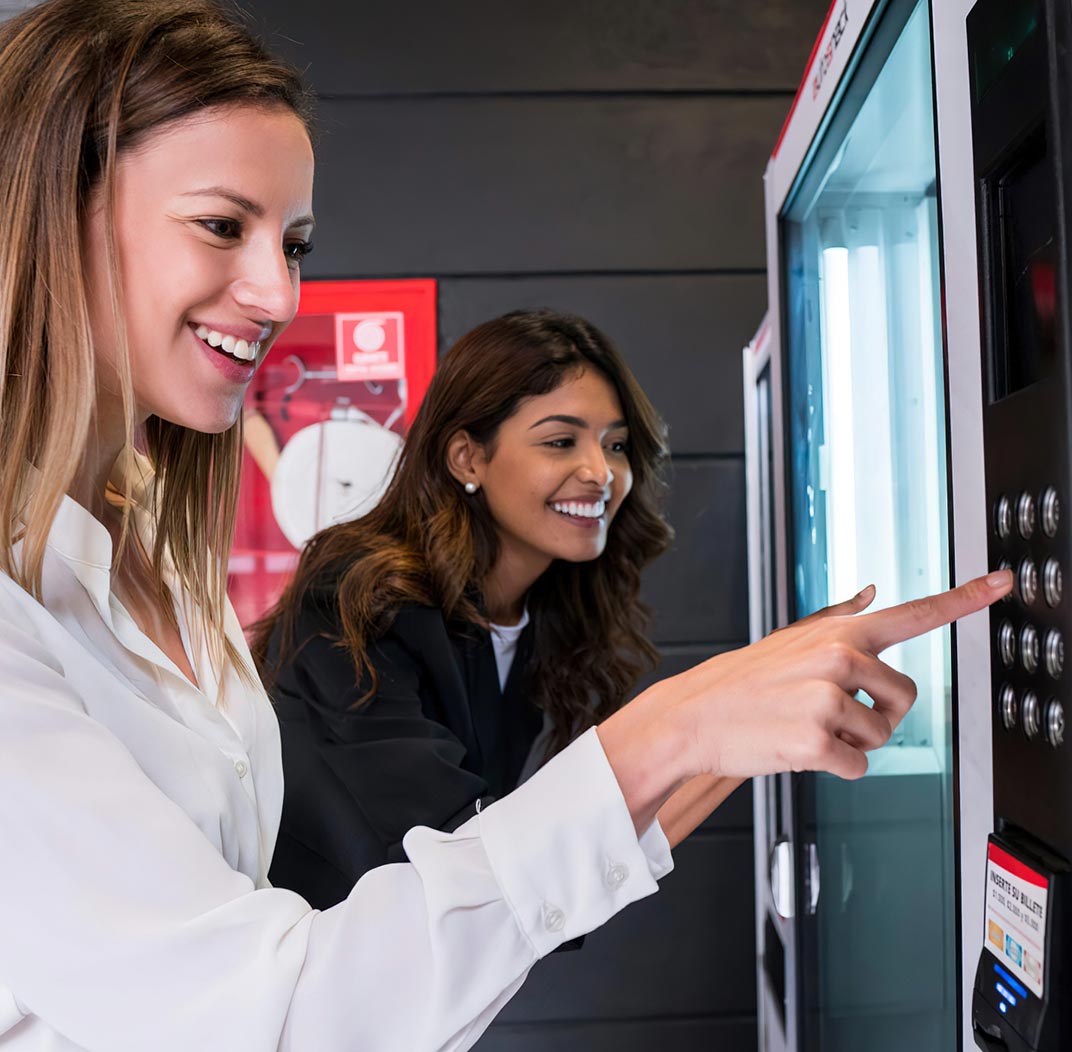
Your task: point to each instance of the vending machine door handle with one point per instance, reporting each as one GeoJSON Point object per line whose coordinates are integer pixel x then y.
{"type": "Point", "coordinates": [780, 876]}
{"type": "Point", "coordinates": [813, 876]}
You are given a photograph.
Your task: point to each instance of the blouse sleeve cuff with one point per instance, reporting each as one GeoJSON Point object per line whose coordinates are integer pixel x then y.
{"type": "Point", "coordinates": [564, 849]}
{"type": "Point", "coordinates": [656, 850]}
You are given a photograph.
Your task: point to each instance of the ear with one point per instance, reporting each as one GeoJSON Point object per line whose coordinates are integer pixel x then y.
{"type": "Point", "coordinates": [466, 458]}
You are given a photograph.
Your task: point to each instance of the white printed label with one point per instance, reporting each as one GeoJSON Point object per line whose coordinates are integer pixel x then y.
{"type": "Point", "coordinates": [1016, 917]}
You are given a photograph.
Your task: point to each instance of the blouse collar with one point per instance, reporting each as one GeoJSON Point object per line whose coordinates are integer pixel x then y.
{"type": "Point", "coordinates": [81, 540]}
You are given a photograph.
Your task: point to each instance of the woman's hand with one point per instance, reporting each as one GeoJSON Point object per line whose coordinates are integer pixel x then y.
{"type": "Point", "coordinates": [785, 703]}
{"type": "Point", "coordinates": [788, 702]}
{"type": "Point", "coordinates": [695, 801]}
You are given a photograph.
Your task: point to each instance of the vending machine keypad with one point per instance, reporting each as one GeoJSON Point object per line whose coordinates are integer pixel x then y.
{"type": "Point", "coordinates": [1030, 654]}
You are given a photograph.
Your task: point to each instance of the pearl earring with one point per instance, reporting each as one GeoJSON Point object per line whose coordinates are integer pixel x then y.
{"type": "Point", "coordinates": [470, 487]}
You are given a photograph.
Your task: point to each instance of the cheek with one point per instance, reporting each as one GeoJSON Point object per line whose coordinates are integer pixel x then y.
{"type": "Point", "coordinates": [518, 480]}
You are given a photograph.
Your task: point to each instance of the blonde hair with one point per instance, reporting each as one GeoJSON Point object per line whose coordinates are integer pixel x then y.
{"type": "Point", "coordinates": [81, 81]}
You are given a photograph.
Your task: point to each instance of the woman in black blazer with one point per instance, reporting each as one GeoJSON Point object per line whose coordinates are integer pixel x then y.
{"type": "Point", "coordinates": [429, 656]}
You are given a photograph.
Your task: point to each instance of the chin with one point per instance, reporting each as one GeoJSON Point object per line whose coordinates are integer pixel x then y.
{"type": "Point", "coordinates": [207, 423]}
{"type": "Point", "coordinates": [587, 556]}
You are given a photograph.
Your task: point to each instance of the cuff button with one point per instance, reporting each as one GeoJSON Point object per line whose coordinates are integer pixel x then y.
{"type": "Point", "coordinates": [554, 920]}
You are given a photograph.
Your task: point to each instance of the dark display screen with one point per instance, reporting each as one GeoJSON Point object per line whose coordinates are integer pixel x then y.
{"type": "Point", "coordinates": [1023, 238]}
{"type": "Point", "coordinates": [999, 32]}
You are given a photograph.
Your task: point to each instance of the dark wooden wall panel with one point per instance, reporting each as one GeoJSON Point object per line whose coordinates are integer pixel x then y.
{"type": "Point", "coordinates": [734, 814]}
{"type": "Point", "coordinates": [699, 590]}
{"type": "Point", "coordinates": [482, 46]}
{"type": "Point", "coordinates": [664, 1035]}
{"type": "Point", "coordinates": [700, 1035]}
{"type": "Point", "coordinates": [537, 184]}
{"type": "Point", "coordinates": [681, 335]}
{"type": "Point", "coordinates": [665, 956]}
{"type": "Point", "coordinates": [675, 658]}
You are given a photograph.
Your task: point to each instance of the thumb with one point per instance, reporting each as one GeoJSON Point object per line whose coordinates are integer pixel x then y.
{"type": "Point", "coordinates": [860, 601]}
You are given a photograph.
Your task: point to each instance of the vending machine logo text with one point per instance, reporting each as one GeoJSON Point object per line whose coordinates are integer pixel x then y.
{"type": "Point", "coordinates": [826, 59]}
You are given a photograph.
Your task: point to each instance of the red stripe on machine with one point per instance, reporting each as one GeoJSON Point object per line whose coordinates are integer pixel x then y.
{"type": "Point", "coordinates": [1015, 866]}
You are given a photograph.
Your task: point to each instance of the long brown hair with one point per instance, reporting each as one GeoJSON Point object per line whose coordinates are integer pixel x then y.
{"type": "Point", "coordinates": [81, 82]}
{"type": "Point", "coordinates": [428, 543]}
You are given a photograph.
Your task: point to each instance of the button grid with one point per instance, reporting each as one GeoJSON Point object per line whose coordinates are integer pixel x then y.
{"type": "Point", "coordinates": [1028, 642]}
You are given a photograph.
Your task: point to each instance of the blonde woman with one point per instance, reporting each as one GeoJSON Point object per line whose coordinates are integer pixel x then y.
{"type": "Point", "coordinates": [156, 204]}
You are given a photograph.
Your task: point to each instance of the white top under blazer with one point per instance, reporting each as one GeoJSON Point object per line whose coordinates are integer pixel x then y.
{"type": "Point", "coordinates": [137, 819]}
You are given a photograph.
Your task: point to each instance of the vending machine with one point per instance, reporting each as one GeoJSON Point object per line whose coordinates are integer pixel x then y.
{"type": "Point", "coordinates": [908, 426]}
{"type": "Point", "coordinates": [1020, 82]}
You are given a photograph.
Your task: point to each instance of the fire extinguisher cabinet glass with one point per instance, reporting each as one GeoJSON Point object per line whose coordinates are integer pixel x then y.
{"type": "Point", "coordinates": [323, 423]}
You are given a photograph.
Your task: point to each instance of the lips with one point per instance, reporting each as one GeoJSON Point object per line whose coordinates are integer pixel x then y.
{"type": "Point", "coordinates": [234, 370]}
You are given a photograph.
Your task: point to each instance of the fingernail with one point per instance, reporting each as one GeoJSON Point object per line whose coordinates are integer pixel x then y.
{"type": "Point", "coordinates": [999, 578]}
{"type": "Point", "coordinates": [865, 593]}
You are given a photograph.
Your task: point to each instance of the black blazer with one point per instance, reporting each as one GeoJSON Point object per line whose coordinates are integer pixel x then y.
{"type": "Point", "coordinates": [437, 737]}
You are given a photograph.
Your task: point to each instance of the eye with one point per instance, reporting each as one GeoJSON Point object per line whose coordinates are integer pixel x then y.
{"type": "Point", "coordinates": [224, 229]}
{"type": "Point", "coordinates": [619, 445]}
{"type": "Point", "coordinates": [561, 443]}
{"type": "Point", "coordinates": [297, 250]}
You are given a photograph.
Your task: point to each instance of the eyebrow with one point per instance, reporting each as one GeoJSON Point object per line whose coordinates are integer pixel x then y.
{"type": "Point", "coordinates": [574, 421]}
{"type": "Point", "coordinates": [239, 201]}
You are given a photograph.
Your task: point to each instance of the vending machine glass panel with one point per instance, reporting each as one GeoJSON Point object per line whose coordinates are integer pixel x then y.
{"type": "Point", "coordinates": [867, 470]}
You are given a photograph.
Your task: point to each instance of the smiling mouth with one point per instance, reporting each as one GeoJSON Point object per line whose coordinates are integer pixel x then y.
{"type": "Point", "coordinates": [575, 509]}
{"type": "Point", "coordinates": [229, 346]}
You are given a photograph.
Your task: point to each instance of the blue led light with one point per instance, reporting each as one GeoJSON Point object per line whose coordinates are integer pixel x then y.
{"type": "Point", "coordinates": [1000, 987]}
{"type": "Point", "coordinates": [1014, 983]}
{"type": "Point", "coordinates": [1003, 1007]}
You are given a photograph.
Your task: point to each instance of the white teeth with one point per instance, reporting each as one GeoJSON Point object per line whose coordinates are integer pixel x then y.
{"type": "Point", "coordinates": [579, 510]}
{"type": "Point", "coordinates": [244, 350]}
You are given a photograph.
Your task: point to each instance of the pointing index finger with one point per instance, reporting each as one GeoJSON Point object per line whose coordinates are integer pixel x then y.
{"type": "Point", "coordinates": [884, 628]}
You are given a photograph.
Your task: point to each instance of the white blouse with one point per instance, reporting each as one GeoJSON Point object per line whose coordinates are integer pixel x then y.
{"type": "Point", "coordinates": [504, 640]}
{"type": "Point", "coordinates": [137, 821]}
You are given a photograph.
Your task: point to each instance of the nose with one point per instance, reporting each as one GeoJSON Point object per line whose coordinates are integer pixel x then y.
{"type": "Point", "coordinates": [267, 288]}
{"type": "Point", "coordinates": [596, 468]}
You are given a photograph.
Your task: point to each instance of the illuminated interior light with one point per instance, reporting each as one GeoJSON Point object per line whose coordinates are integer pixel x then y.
{"type": "Point", "coordinates": [838, 412]}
